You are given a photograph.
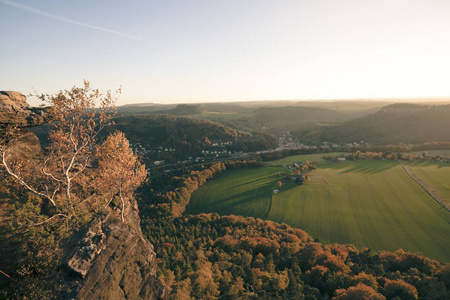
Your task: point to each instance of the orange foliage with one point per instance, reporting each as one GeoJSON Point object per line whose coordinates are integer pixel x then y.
{"type": "Point", "coordinates": [120, 172]}
{"type": "Point", "coordinates": [401, 289]}
{"type": "Point", "coordinates": [361, 291]}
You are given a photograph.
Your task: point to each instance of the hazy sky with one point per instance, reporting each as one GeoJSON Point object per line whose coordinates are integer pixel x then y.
{"type": "Point", "coordinates": [200, 51]}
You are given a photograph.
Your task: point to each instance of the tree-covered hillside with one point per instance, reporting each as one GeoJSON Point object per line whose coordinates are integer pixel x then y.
{"type": "Point", "coordinates": [294, 117]}
{"type": "Point", "coordinates": [396, 123]}
{"type": "Point", "coordinates": [186, 136]}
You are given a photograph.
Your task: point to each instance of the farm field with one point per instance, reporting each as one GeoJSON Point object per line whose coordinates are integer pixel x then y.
{"type": "Point", "coordinates": [437, 175]}
{"type": "Point", "coordinates": [246, 192]}
{"type": "Point", "coordinates": [372, 204]}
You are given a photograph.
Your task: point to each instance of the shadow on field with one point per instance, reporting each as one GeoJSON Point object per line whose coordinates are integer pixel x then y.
{"type": "Point", "coordinates": [260, 179]}
{"type": "Point", "coordinates": [368, 167]}
{"type": "Point", "coordinates": [253, 194]}
{"type": "Point", "coordinates": [241, 203]}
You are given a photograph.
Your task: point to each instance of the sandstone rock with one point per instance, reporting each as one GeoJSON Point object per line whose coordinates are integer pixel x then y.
{"type": "Point", "coordinates": [15, 111]}
{"type": "Point", "coordinates": [115, 261]}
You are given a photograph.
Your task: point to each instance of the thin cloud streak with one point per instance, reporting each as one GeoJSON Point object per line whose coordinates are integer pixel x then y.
{"type": "Point", "coordinates": [45, 14]}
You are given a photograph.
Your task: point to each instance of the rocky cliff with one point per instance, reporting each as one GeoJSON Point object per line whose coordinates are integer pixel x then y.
{"type": "Point", "coordinates": [114, 261]}
{"type": "Point", "coordinates": [107, 259]}
{"type": "Point", "coordinates": [15, 111]}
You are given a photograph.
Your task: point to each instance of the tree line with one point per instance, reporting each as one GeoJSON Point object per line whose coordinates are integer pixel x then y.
{"type": "Point", "coordinates": [174, 200]}
{"type": "Point", "coordinates": [359, 155]}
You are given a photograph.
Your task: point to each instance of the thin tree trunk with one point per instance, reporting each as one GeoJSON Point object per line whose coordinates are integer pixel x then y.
{"type": "Point", "coordinates": [123, 205]}
{"type": "Point", "coordinates": [10, 172]}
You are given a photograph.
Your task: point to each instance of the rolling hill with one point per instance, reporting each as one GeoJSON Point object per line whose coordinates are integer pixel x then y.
{"type": "Point", "coordinates": [187, 136]}
{"type": "Point", "coordinates": [294, 117]}
{"type": "Point", "coordinates": [393, 124]}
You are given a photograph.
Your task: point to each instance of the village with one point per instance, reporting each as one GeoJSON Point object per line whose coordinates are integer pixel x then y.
{"type": "Point", "coordinates": [220, 150]}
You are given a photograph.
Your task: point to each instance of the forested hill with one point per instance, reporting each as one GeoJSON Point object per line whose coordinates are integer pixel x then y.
{"type": "Point", "coordinates": [186, 136]}
{"type": "Point", "coordinates": [393, 124]}
{"type": "Point", "coordinates": [294, 117]}
{"type": "Point", "coordinates": [160, 128]}
{"type": "Point", "coordinates": [183, 109]}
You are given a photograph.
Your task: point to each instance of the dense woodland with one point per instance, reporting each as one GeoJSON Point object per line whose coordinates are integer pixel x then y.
{"type": "Point", "coordinates": [208, 257]}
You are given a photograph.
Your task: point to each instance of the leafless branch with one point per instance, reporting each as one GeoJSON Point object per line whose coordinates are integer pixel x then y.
{"type": "Point", "coordinates": [49, 219]}
{"type": "Point", "coordinates": [23, 183]}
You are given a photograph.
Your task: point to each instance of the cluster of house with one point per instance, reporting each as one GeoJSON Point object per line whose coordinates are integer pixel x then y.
{"type": "Point", "coordinates": [298, 179]}
{"type": "Point", "coordinates": [294, 166]}
{"type": "Point", "coordinates": [286, 143]}
{"type": "Point", "coordinates": [339, 158]}
{"type": "Point", "coordinates": [216, 152]}
{"type": "Point", "coordinates": [139, 149]}
{"type": "Point", "coordinates": [219, 149]}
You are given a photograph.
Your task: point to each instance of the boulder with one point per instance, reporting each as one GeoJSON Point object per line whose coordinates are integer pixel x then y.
{"type": "Point", "coordinates": [16, 112]}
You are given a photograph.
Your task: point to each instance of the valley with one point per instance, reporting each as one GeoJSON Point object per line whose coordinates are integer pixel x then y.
{"type": "Point", "coordinates": [373, 204]}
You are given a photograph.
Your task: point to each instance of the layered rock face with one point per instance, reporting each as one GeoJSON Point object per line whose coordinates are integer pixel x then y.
{"type": "Point", "coordinates": [15, 111]}
{"type": "Point", "coordinates": [115, 261]}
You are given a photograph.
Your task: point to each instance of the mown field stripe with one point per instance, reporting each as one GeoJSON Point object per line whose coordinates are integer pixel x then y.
{"type": "Point", "coordinates": [355, 215]}
{"type": "Point", "coordinates": [380, 212]}
{"type": "Point", "coordinates": [406, 209]}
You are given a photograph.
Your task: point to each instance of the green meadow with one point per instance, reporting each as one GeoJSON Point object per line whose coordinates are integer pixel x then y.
{"type": "Point", "coordinates": [372, 204]}
{"type": "Point", "coordinates": [437, 175]}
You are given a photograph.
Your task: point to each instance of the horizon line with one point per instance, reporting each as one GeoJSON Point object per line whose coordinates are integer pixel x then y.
{"type": "Point", "coordinates": [373, 99]}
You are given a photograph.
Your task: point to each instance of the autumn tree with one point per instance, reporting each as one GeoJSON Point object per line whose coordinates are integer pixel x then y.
{"type": "Point", "coordinates": [81, 112]}
{"type": "Point", "coordinates": [401, 289]}
{"type": "Point", "coordinates": [361, 291]}
{"type": "Point", "coordinates": [120, 171]}
{"type": "Point", "coordinates": [73, 140]}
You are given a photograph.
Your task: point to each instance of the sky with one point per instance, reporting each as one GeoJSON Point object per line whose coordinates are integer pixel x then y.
{"type": "Point", "coordinates": [190, 51]}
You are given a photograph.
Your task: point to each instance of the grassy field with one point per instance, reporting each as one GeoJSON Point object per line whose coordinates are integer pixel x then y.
{"type": "Point", "coordinates": [372, 204]}
{"type": "Point", "coordinates": [437, 175]}
{"type": "Point", "coordinates": [246, 192]}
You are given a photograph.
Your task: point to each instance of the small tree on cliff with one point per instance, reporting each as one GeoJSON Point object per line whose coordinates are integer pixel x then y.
{"type": "Point", "coordinates": [81, 114]}
{"type": "Point", "coordinates": [73, 140]}
{"type": "Point", "coordinates": [120, 172]}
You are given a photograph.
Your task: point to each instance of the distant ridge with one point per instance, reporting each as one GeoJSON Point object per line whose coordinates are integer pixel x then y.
{"type": "Point", "coordinates": [393, 124]}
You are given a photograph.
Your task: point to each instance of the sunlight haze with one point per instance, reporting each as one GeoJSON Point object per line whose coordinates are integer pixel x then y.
{"type": "Point", "coordinates": [211, 51]}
